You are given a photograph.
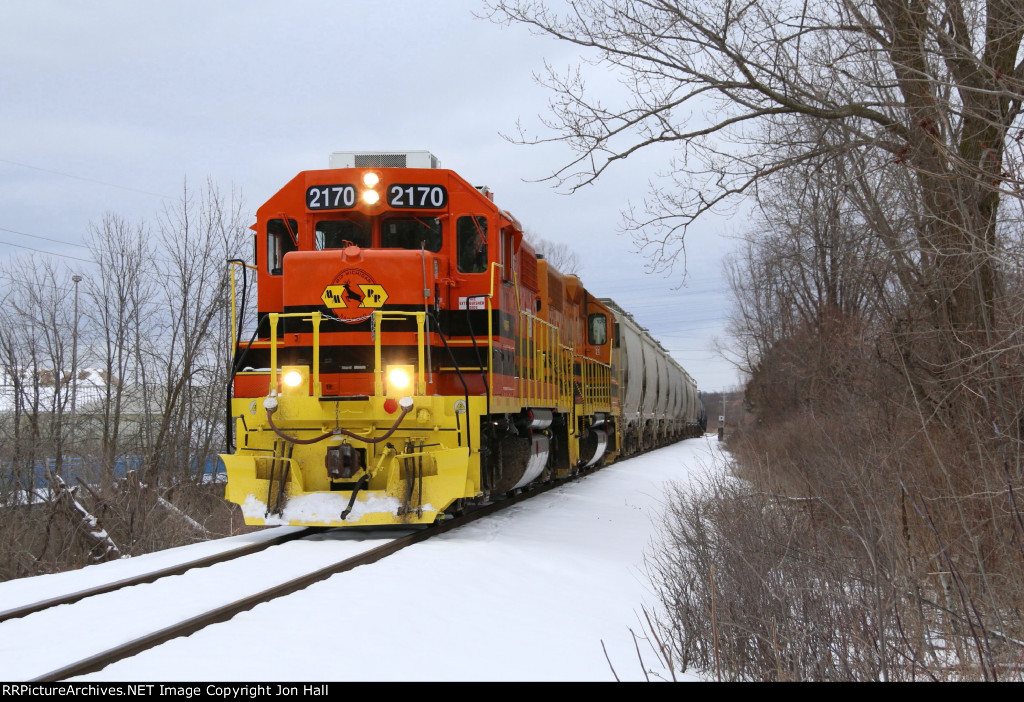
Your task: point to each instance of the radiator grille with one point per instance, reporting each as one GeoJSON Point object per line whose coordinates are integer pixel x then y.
{"type": "Point", "coordinates": [555, 292]}
{"type": "Point", "coordinates": [383, 159]}
{"type": "Point", "coordinates": [380, 160]}
{"type": "Point", "coordinates": [529, 272]}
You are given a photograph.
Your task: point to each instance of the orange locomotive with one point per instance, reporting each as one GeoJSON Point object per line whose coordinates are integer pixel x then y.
{"type": "Point", "coordinates": [413, 354]}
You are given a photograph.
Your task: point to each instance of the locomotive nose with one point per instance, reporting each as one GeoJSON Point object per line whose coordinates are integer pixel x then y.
{"type": "Point", "coordinates": [353, 282]}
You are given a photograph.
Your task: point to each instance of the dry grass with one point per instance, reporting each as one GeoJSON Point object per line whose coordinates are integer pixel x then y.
{"type": "Point", "coordinates": [868, 534]}
{"type": "Point", "coordinates": [48, 537]}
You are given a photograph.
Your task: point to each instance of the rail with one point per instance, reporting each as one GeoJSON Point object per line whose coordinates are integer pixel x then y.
{"type": "Point", "coordinates": [225, 612]}
{"type": "Point", "coordinates": [595, 385]}
{"type": "Point", "coordinates": [376, 325]}
{"type": "Point", "coordinates": [377, 320]}
{"type": "Point", "coordinates": [234, 323]}
{"type": "Point", "coordinates": [315, 318]}
{"type": "Point", "coordinates": [543, 363]}
{"type": "Point", "coordinates": [152, 576]}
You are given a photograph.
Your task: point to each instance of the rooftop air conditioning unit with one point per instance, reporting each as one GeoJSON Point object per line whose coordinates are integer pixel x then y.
{"type": "Point", "coordinates": [384, 159]}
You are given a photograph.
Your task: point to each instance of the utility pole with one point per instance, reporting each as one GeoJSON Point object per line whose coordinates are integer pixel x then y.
{"type": "Point", "coordinates": [74, 363]}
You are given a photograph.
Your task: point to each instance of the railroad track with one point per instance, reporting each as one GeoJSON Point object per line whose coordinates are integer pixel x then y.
{"type": "Point", "coordinates": [225, 612]}
{"type": "Point", "coordinates": [144, 578]}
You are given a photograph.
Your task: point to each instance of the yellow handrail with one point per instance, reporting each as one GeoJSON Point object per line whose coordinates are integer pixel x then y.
{"type": "Point", "coordinates": [315, 318]}
{"type": "Point", "coordinates": [596, 385]}
{"type": "Point", "coordinates": [379, 317]}
{"type": "Point", "coordinates": [490, 335]}
{"type": "Point", "coordinates": [540, 366]}
{"type": "Point", "coordinates": [234, 327]}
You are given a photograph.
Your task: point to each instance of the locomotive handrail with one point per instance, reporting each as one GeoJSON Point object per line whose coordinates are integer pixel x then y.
{"type": "Point", "coordinates": [543, 375]}
{"type": "Point", "coordinates": [595, 384]}
{"type": "Point", "coordinates": [565, 390]}
{"type": "Point", "coordinates": [490, 338]}
{"type": "Point", "coordinates": [234, 329]}
{"type": "Point", "coordinates": [379, 317]}
{"type": "Point", "coordinates": [315, 318]}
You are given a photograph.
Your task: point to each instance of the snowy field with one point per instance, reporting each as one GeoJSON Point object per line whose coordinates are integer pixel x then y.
{"type": "Point", "coordinates": [539, 592]}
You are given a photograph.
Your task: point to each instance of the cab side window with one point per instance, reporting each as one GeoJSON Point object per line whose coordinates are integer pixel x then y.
{"type": "Point", "coordinates": [597, 327]}
{"type": "Point", "coordinates": [282, 237]}
{"type": "Point", "coordinates": [471, 233]}
{"type": "Point", "coordinates": [508, 258]}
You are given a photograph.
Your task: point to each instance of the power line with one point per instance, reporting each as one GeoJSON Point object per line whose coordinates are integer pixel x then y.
{"type": "Point", "coordinates": [47, 253]}
{"type": "Point", "coordinates": [88, 180]}
{"type": "Point", "coordinates": [40, 236]}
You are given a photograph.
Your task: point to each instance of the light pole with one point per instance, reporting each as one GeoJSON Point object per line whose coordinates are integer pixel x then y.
{"type": "Point", "coordinates": [74, 363]}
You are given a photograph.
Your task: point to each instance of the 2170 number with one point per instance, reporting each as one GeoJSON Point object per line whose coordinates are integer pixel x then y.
{"type": "Point", "coordinates": [407, 195]}
{"type": "Point", "coordinates": [331, 197]}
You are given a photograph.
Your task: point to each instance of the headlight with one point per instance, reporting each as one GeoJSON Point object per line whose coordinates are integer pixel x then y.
{"type": "Point", "coordinates": [370, 179]}
{"type": "Point", "coordinates": [294, 380]}
{"type": "Point", "coordinates": [399, 379]}
{"type": "Point", "coordinates": [371, 197]}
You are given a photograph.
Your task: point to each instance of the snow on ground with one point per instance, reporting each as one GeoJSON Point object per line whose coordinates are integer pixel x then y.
{"type": "Point", "coordinates": [535, 593]}
{"type": "Point", "coordinates": [16, 593]}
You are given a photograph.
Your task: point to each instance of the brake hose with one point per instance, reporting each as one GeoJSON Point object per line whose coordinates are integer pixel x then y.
{"type": "Point", "coordinates": [270, 404]}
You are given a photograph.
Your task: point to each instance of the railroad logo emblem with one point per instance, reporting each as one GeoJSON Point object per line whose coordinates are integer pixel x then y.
{"type": "Point", "coordinates": [353, 295]}
{"type": "Point", "coordinates": [374, 295]}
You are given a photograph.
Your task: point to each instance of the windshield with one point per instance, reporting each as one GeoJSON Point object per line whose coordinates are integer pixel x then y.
{"type": "Point", "coordinates": [337, 234]}
{"type": "Point", "coordinates": [411, 233]}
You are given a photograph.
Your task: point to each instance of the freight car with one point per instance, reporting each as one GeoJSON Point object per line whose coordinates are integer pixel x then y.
{"type": "Point", "coordinates": [658, 399]}
{"type": "Point", "coordinates": [413, 355]}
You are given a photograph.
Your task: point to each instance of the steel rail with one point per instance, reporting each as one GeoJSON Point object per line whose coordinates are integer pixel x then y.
{"type": "Point", "coordinates": [25, 610]}
{"type": "Point", "coordinates": [221, 614]}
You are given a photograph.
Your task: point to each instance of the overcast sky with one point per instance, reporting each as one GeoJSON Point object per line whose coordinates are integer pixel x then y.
{"type": "Point", "coordinates": [110, 107]}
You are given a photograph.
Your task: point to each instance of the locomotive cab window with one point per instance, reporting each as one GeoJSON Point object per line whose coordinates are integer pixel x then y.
{"type": "Point", "coordinates": [411, 233]}
{"type": "Point", "coordinates": [508, 259]}
{"type": "Point", "coordinates": [472, 242]}
{"type": "Point", "coordinates": [282, 237]}
{"type": "Point", "coordinates": [335, 234]}
{"type": "Point", "coordinates": [597, 326]}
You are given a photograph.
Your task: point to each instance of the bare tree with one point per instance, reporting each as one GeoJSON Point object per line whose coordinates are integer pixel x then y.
{"type": "Point", "coordinates": [120, 297]}
{"type": "Point", "coordinates": [36, 343]}
{"type": "Point", "coordinates": [811, 256]}
{"type": "Point", "coordinates": [186, 374]}
{"type": "Point", "coordinates": [559, 255]}
{"type": "Point", "coordinates": [878, 308]}
{"type": "Point", "coordinates": [153, 322]}
{"type": "Point", "coordinates": [935, 86]}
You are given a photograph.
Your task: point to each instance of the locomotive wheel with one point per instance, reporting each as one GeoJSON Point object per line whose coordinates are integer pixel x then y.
{"type": "Point", "coordinates": [506, 463]}
{"type": "Point", "coordinates": [588, 445]}
{"type": "Point", "coordinates": [558, 461]}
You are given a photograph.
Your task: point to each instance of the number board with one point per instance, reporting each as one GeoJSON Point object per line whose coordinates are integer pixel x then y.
{"type": "Point", "coordinates": [411, 195]}
{"type": "Point", "coordinates": [331, 197]}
